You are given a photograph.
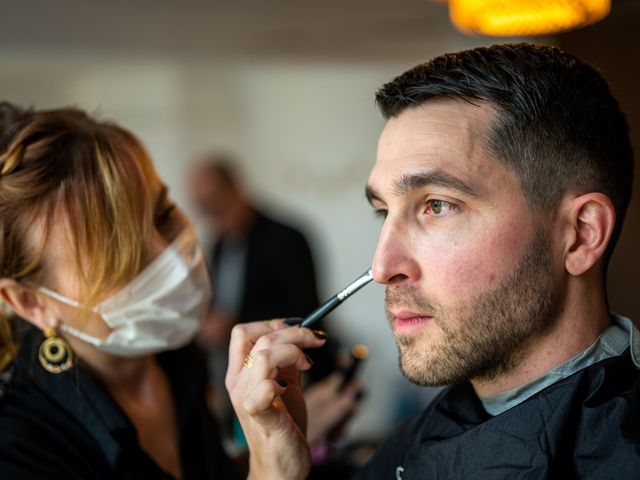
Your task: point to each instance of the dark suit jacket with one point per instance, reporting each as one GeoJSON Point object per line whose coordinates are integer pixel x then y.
{"type": "Point", "coordinates": [280, 281]}
{"type": "Point", "coordinates": [280, 278]}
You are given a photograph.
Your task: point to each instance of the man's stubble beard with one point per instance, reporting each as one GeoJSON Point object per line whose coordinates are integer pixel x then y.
{"type": "Point", "coordinates": [490, 331]}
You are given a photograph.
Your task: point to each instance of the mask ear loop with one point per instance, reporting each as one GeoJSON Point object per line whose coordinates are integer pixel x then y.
{"type": "Point", "coordinates": [96, 342]}
{"type": "Point", "coordinates": [59, 297]}
{"type": "Point", "coordinates": [66, 328]}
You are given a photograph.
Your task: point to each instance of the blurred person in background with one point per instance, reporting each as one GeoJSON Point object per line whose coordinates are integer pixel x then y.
{"type": "Point", "coordinates": [502, 179]}
{"type": "Point", "coordinates": [261, 268]}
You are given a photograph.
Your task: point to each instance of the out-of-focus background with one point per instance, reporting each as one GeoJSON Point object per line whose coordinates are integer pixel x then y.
{"type": "Point", "coordinates": [288, 87]}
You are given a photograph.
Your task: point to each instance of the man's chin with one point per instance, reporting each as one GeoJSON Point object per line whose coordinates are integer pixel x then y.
{"type": "Point", "coordinates": [414, 365]}
{"type": "Point", "coordinates": [426, 368]}
{"type": "Point", "coordinates": [423, 377]}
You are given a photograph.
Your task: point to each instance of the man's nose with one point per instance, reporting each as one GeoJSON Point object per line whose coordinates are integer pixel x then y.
{"type": "Point", "coordinates": [394, 261]}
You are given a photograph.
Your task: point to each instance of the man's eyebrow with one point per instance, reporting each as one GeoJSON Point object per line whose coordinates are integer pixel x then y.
{"type": "Point", "coordinates": [410, 182]}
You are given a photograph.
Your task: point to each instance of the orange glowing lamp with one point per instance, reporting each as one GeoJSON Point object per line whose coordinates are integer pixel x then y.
{"type": "Point", "coordinates": [515, 18]}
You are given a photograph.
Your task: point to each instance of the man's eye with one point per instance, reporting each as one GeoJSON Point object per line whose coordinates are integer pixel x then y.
{"type": "Point", "coordinates": [439, 207]}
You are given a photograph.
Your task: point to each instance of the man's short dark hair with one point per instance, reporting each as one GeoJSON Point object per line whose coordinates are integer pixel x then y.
{"type": "Point", "coordinates": [557, 126]}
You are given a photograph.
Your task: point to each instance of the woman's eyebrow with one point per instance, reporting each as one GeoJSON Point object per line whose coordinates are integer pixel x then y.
{"type": "Point", "coordinates": [162, 196]}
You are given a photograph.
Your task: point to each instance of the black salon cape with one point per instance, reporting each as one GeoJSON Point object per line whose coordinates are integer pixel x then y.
{"type": "Point", "coordinates": [584, 426]}
{"type": "Point", "coordinates": [66, 426]}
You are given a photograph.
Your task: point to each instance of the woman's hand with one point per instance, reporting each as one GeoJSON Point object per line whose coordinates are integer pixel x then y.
{"type": "Point", "coordinates": [330, 407]}
{"type": "Point", "coordinates": [263, 380]}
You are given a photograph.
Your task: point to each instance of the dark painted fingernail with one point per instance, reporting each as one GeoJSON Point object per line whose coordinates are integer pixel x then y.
{"type": "Point", "coordinates": [361, 394]}
{"type": "Point", "coordinates": [319, 334]}
{"type": "Point", "coordinates": [293, 321]}
{"type": "Point", "coordinates": [282, 383]}
{"type": "Point", "coordinates": [309, 359]}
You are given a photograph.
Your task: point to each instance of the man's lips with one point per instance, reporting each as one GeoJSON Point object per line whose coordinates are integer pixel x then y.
{"type": "Point", "coordinates": [405, 319]}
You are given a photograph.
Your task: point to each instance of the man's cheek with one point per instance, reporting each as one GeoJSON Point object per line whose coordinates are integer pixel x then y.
{"type": "Point", "coordinates": [458, 274]}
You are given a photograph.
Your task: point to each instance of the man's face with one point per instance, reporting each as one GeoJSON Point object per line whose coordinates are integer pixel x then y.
{"type": "Point", "coordinates": [468, 266]}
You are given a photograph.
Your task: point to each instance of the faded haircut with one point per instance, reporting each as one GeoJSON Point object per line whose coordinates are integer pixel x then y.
{"type": "Point", "coordinates": [558, 127]}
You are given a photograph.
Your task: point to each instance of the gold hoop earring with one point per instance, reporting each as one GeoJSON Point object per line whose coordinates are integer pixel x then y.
{"type": "Point", "coordinates": [55, 354]}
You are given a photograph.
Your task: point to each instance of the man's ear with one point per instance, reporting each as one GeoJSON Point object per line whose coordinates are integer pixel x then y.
{"type": "Point", "coordinates": [592, 219]}
{"type": "Point", "coordinates": [26, 303]}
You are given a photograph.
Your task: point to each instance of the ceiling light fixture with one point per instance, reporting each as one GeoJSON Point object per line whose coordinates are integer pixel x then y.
{"type": "Point", "coordinates": [511, 18]}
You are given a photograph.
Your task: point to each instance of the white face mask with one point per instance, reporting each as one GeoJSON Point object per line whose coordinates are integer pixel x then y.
{"type": "Point", "coordinates": [160, 309]}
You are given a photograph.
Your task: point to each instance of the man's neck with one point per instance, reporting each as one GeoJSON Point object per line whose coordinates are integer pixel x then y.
{"type": "Point", "coordinates": [576, 328]}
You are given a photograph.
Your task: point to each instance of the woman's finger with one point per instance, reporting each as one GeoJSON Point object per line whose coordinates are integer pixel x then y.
{"type": "Point", "coordinates": [258, 336]}
{"type": "Point", "coordinates": [243, 338]}
{"type": "Point", "coordinates": [266, 362]}
{"type": "Point", "coordinates": [259, 402]}
{"type": "Point", "coordinates": [302, 337]}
